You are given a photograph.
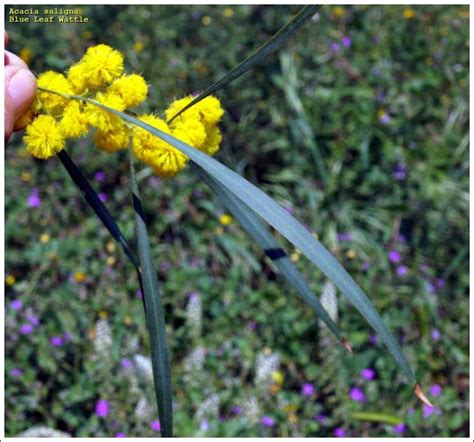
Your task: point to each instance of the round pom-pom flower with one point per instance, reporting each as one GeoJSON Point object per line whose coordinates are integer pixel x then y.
{"type": "Point", "coordinates": [43, 137]}
{"type": "Point", "coordinates": [190, 130]}
{"type": "Point", "coordinates": [77, 79]}
{"type": "Point", "coordinates": [213, 140]}
{"type": "Point", "coordinates": [165, 160]}
{"type": "Point", "coordinates": [100, 65]}
{"type": "Point", "coordinates": [179, 104]}
{"type": "Point", "coordinates": [113, 140]}
{"type": "Point", "coordinates": [53, 103]}
{"type": "Point", "coordinates": [210, 109]}
{"type": "Point", "coordinates": [131, 88]}
{"type": "Point", "coordinates": [103, 119]}
{"type": "Point", "coordinates": [74, 123]}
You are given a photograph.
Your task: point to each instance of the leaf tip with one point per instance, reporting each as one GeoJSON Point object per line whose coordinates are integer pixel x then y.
{"type": "Point", "coordinates": [345, 343]}
{"type": "Point", "coordinates": [419, 393]}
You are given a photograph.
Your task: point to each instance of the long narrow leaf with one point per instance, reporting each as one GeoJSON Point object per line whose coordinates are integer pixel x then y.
{"type": "Point", "coordinates": [272, 248]}
{"type": "Point", "coordinates": [154, 316]}
{"type": "Point", "coordinates": [272, 45]}
{"type": "Point", "coordinates": [289, 227]}
{"type": "Point", "coordinates": [97, 205]}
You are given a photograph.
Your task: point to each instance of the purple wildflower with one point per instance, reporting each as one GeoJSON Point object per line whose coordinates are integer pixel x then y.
{"type": "Point", "coordinates": [102, 408]}
{"type": "Point", "coordinates": [155, 426]}
{"type": "Point", "coordinates": [103, 197]}
{"type": "Point", "coordinates": [16, 372]}
{"type": "Point", "coordinates": [235, 409]}
{"type": "Point", "coordinates": [320, 418]}
{"type": "Point", "coordinates": [33, 320]}
{"type": "Point", "coordinates": [424, 268]}
{"type": "Point", "coordinates": [399, 172]}
{"type": "Point", "coordinates": [251, 325]}
{"type": "Point", "coordinates": [430, 287]}
{"type": "Point", "coordinates": [402, 270]}
{"type": "Point", "coordinates": [307, 390]}
{"type": "Point", "coordinates": [440, 283]}
{"type": "Point", "coordinates": [435, 334]}
{"type": "Point", "coordinates": [126, 363]}
{"type": "Point", "coordinates": [165, 266]}
{"type": "Point", "coordinates": [373, 339]}
{"type": "Point", "coordinates": [428, 411]}
{"type": "Point", "coordinates": [366, 266]}
{"type": "Point", "coordinates": [16, 304]}
{"type": "Point", "coordinates": [384, 118]}
{"type": "Point", "coordinates": [435, 390]}
{"type": "Point", "coordinates": [204, 425]}
{"type": "Point", "coordinates": [267, 421]}
{"type": "Point", "coordinates": [344, 236]}
{"type": "Point", "coordinates": [120, 434]}
{"type": "Point", "coordinates": [335, 47]}
{"type": "Point", "coordinates": [100, 176]}
{"type": "Point", "coordinates": [339, 432]}
{"type": "Point", "coordinates": [356, 394]}
{"type": "Point", "coordinates": [193, 296]}
{"type": "Point", "coordinates": [394, 256]}
{"type": "Point", "coordinates": [368, 373]}
{"type": "Point", "coordinates": [66, 337]}
{"type": "Point", "coordinates": [34, 200]}
{"type": "Point", "coordinates": [138, 294]}
{"type": "Point", "coordinates": [346, 42]}
{"type": "Point", "coordinates": [26, 329]}
{"type": "Point", "coordinates": [399, 428]}
{"type": "Point", "coordinates": [57, 341]}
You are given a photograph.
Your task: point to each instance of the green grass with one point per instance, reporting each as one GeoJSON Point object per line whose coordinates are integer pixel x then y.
{"type": "Point", "coordinates": [341, 180]}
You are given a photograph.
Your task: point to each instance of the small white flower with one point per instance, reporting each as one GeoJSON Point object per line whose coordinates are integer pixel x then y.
{"type": "Point", "coordinates": [143, 410]}
{"type": "Point", "coordinates": [103, 338]}
{"type": "Point", "coordinates": [42, 432]}
{"type": "Point", "coordinates": [143, 368]}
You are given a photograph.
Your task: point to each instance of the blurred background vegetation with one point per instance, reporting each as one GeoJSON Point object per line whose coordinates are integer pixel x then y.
{"type": "Point", "coordinates": [359, 126]}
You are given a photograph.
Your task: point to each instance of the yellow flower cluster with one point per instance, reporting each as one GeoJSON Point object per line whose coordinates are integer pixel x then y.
{"type": "Point", "coordinates": [99, 76]}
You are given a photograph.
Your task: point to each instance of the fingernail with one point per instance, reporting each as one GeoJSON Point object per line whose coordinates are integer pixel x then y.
{"type": "Point", "coordinates": [22, 88]}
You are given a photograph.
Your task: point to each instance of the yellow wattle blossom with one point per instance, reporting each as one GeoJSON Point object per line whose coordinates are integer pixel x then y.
{"type": "Point", "coordinates": [225, 219]}
{"type": "Point", "coordinates": [164, 159]}
{"type": "Point", "coordinates": [52, 103]}
{"type": "Point", "coordinates": [25, 54]}
{"type": "Point", "coordinates": [74, 123]}
{"type": "Point", "coordinates": [179, 104]}
{"type": "Point", "coordinates": [409, 13]}
{"type": "Point", "coordinates": [351, 254]}
{"type": "Point", "coordinates": [100, 65]}
{"type": "Point", "coordinates": [210, 109]}
{"type": "Point", "coordinates": [77, 79]}
{"type": "Point", "coordinates": [101, 118]}
{"type": "Point", "coordinates": [190, 130]}
{"type": "Point", "coordinates": [113, 140]}
{"type": "Point", "coordinates": [44, 238]}
{"type": "Point", "coordinates": [44, 137]}
{"type": "Point", "coordinates": [213, 140]}
{"type": "Point", "coordinates": [80, 277]}
{"type": "Point", "coordinates": [278, 377]}
{"type": "Point", "coordinates": [131, 88]}
{"type": "Point", "coordinates": [10, 280]}
{"type": "Point", "coordinates": [103, 314]}
{"type": "Point", "coordinates": [338, 11]}
{"type": "Point", "coordinates": [228, 12]}
{"type": "Point", "coordinates": [138, 46]}
{"type": "Point", "coordinates": [25, 119]}
{"type": "Point", "coordinates": [100, 73]}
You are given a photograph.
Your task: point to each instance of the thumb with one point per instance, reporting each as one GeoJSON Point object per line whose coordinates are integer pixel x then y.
{"type": "Point", "coordinates": [20, 89]}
